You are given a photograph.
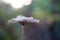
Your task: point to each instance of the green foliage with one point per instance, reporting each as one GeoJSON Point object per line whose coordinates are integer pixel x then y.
{"type": "Point", "coordinates": [38, 9]}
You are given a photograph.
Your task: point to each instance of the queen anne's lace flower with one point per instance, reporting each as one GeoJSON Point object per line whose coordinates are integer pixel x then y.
{"type": "Point", "coordinates": [23, 18]}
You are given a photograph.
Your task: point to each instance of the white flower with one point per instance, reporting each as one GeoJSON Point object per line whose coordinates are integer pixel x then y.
{"type": "Point", "coordinates": [23, 18]}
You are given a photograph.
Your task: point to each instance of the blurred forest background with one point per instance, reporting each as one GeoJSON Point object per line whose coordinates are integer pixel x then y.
{"type": "Point", "coordinates": [38, 8]}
